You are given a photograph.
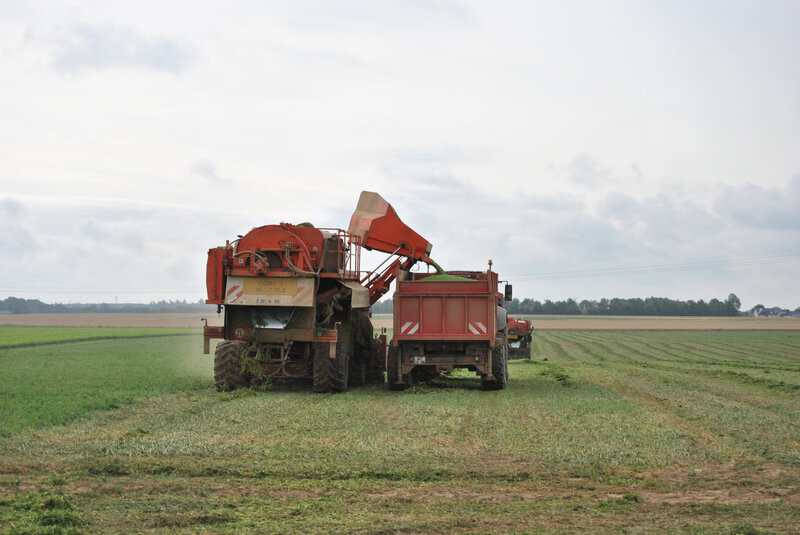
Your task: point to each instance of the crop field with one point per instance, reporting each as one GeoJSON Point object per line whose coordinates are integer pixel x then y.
{"type": "Point", "coordinates": [604, 431]}
{"type": "Point", "coordinates": [24, 336]}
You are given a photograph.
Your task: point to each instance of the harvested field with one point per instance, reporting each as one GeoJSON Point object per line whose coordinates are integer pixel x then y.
{"type": "Point", "coordinates": [603, 432]}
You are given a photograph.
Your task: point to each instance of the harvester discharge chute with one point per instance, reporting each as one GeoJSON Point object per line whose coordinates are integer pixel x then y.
{"type": "Point", "coordinates": [379, 228]}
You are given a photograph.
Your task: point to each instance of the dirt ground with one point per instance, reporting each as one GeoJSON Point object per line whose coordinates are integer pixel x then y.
{"type": "Point", "coordinates": [543, 323]}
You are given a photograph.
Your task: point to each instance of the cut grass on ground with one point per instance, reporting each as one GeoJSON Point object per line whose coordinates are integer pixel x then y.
{"type": "Point", "coordinates": [645, 432]}
{"type": "Point", "coordinates": [26, 336]}
{"type": "Point", "coordinates": [56, 383]}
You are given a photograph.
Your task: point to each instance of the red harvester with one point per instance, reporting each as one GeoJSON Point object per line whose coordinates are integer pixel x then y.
{"type": "Point", "coordinates": [295, 302]}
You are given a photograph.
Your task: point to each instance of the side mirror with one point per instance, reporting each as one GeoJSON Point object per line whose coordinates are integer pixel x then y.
{"type": "Point", "coordinates": [508, 295]}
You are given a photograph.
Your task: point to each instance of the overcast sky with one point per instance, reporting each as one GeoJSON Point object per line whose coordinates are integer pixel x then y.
{"type": "Point", "coordinates": [591, 149]}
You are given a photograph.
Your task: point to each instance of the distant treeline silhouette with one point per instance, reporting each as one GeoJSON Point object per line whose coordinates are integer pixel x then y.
{"type": "Point", "coordinates": [651, 306]}
{"type": "Point", "coordinates": [15, 305]}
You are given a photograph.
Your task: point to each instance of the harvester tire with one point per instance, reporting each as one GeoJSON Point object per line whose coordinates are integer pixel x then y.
{"type": "Point", "coordinates": [366, 366]}
{"type": "Point", "coordinates": [358, 369]}
{"type": "Point", "coordinates": [362, 348]}
{"type": "Point", "coordinates": [321, 367]}
{"type": "Point", "coordinates": [228, 374]}
{"type": "Point", "coordinates": [392, 372]}
{"type": "Point", "coordinates": [375, 364]}
{"type": "Point", "coordinates": [331, 374]}
{"type": "Point", "coordinates": [499, 367]}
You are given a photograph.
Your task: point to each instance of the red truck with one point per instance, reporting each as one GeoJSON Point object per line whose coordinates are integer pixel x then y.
{"type": "Point", "coordinates": [447, 322]}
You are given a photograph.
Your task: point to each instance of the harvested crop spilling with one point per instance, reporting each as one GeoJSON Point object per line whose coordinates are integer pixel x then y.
{"type": "Point", "coordinates": [441, 275]}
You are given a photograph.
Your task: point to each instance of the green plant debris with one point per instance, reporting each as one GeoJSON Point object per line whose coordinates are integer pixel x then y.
{"type": "Point", "coordinates": [443, 277]}
{"type": "Point", "coordinates": [439, 269]}
{"type": "Point", "coordinates": [57, 383]}
{"type": "Point", "coordinates": [651, 436]}
{"type": "Point", "coordinates": [13, 336]}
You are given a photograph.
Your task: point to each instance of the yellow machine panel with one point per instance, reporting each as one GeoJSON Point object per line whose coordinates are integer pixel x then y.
{"type": "Point", "coordinates": [269, 291]}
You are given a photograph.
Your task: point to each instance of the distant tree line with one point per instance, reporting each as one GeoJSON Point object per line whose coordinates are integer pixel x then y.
{"type": "Point", "coordinates": [651, 306]}
{"type": "Point", "coordinates": [383, 307]}
{"type": "Point", "coordinates": [15, 305]}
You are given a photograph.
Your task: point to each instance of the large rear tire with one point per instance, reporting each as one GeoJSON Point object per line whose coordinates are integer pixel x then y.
{"type": "Point", "coordinates": [392, 370]}
{"type": "Point", "coordinates": [331, 374]}
{"type": "Point", "coordinates": [321, 367]}
{"type": "Point", "coordinates": [228, 374]}
{"type": "Point", "coordinates": [499, 366]}
{"type": "Point", "coordinates": [362, 348]}
{"type": "Point", "coordinates": [375, 364]}
{"type": "Point", "coordinates": [357, 375]}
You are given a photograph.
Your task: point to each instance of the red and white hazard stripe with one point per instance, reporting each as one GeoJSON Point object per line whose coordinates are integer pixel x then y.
{"type": "Point", "coordinates": [409, 327]}
{"type": "Point", "coordinates": [234, 293]}
{"type": "Point", "coordinates": [477, 327]}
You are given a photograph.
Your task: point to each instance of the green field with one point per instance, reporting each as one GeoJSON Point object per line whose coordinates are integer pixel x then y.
{"type": "Point", "coordinates": [26, 336]}
{"type": "Point", "coordinates": [55, 383]}
{"type": "Point", "coordinates": [616, 431]}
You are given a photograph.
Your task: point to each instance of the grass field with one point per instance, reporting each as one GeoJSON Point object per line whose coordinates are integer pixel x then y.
{"type": "Point", "coordinates": [616, 431]}
{"type": "Point", "coordinates": [27, 335]}
{"type": "Point", "coordinates": [55, 383]}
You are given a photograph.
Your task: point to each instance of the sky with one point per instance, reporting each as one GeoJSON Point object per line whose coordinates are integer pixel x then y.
{"type": "Point", "coordinates": [590, 149]}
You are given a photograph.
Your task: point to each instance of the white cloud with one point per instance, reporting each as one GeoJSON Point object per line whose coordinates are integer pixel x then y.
{"type": "Point", "coordinates": [16, 239]}
{"type": "Point", "coordinates": [205, 170]}
{"type": "Point", "coordinates": [100, 47]}
{"type": "Point", "coordinates": [636, 134]}
{"type": "Point", "coordinates": [758, 207]}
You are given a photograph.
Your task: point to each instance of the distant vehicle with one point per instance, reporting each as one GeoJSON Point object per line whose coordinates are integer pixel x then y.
{"type": "Point", "coordinates": [520, 335]}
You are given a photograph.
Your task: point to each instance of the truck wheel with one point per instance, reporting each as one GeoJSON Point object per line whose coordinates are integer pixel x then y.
{"type": "Point", "coordinates": [331, 374]}
{"type": "Point", "coordinates": [392, 373]}
{"type": "Point", "coordinates": [228, 374]}
{"type": "Point", "coordinates": [499, 367]}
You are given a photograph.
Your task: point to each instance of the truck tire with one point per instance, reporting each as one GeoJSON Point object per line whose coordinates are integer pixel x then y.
{"type": "Point", "coordinates": [392, 373]}
{"type": "Point", "coordinates": [499, 367]}
{"type": "Point", "coordinates": [228, 374]}
{"type": "Point", "coordinates": [331, 374]}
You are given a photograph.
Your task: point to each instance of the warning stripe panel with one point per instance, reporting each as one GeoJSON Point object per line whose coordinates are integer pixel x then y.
{"type": "Point", "coordinates": [477, 328]}
{"type": "Point", "coordinates": [409, 327]}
